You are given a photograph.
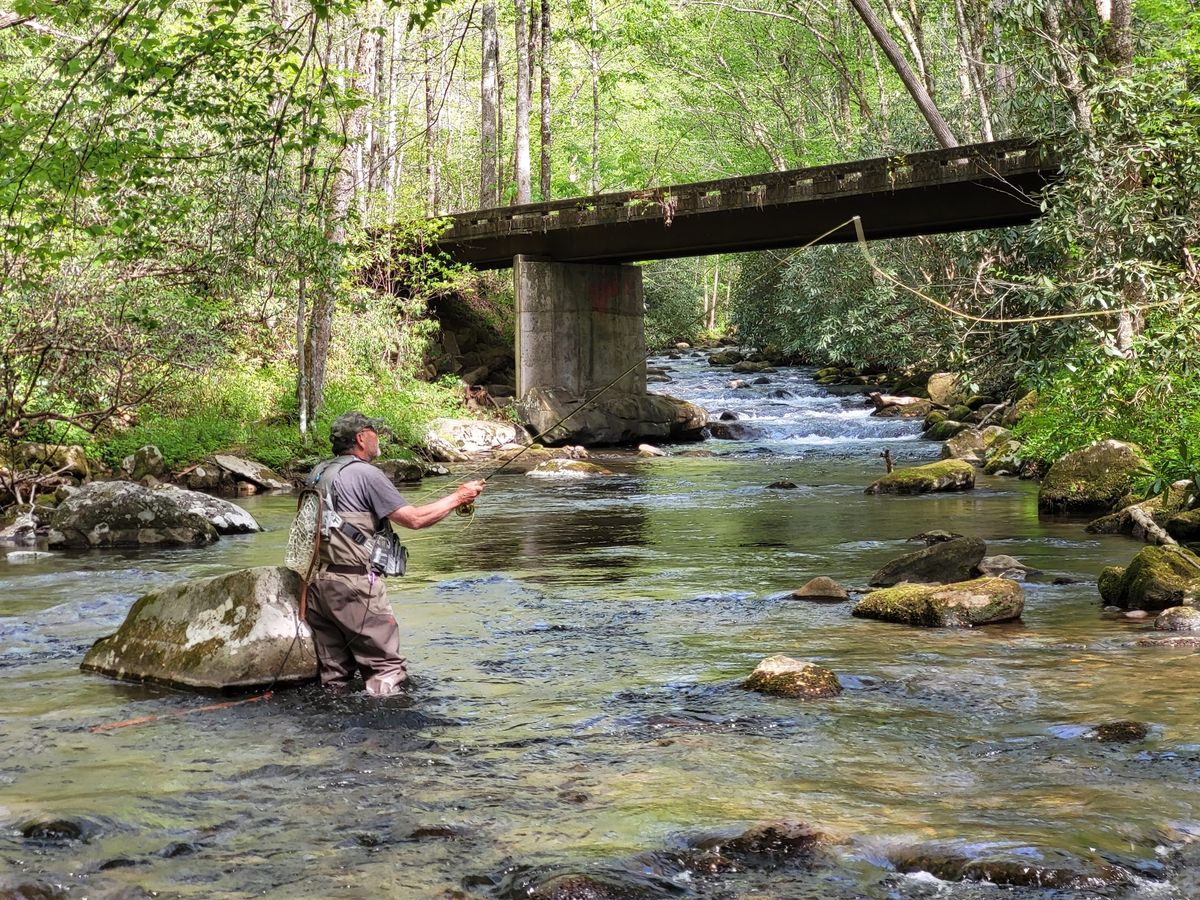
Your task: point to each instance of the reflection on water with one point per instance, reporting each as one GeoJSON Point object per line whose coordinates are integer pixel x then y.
{"type": "Point", "coordinates": [577, 648]}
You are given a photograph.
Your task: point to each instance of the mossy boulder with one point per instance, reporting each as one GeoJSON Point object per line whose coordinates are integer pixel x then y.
{"type": "Point", "coordinates": [725, 358]}
{"type": "Point", "coordinates": [231, 632]}
{"type": "Point", "coordinates": [66, 459]}
{"type": "Point", "coordinates": [918, 409]}
{"type": "Point", "coordinates": [943, 430]}
{"type": "Point", "coordinates": [983, 601]}
{"type": "Point", "coordinates": [782, 676]}
{"type": "Point", "coordinates": [1178, 618]}
{"type": "Point", "coordinates": [821, 589]}
{"type": "Point", "coordinates": [1095, 479]}
{"type": "Point", "coordinates": [947, 475]}
{"type": "Point", "coordinates": [123, 514]}
{"type": "Point", "coordinates": [1003, 458]}
{"type": "Point", "coordinates": [939, 563]}
{"type": "Point", "coordinates": [1157, 578]}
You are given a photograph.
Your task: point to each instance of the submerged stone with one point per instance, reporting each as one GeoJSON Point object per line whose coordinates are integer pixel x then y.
{"type": "Point", "coordinates": [1121, 732]}
{"type": "Point", "coordinates": [1022, 867]}
{"type": "Point", "coordinates": [821, 590]}
{"type": "Point", "coordinates": [230, 632]}
{"type": "Point", "coordinates": [983, 601]}
{"type": "Point", "coordinates": [948, 475]}
{"type": "Point", "coordinates": [782, 676]}
{"type": "Point", "coordinates": [1178, 618]}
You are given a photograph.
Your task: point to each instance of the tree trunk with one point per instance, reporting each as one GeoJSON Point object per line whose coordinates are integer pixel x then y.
{"type": "Point", "coordinates": [524, 185]}
{"type": "Point", "coordinates": [924, 103]}
{"type": "Point", "coordinates": [488, 195]}
{"type": "Point", "coordinates": [972, 71]}
{"type": "Point", "coordinates": [594, 60]}
{"type": "Point", "coordinates": [545, 47]}
{"type": "Point", "coordinates": [432, 188]}
{"type": "Point", "coordinates": [338, 203]}
{"type": "Point", "coordinates": [1066, 68]}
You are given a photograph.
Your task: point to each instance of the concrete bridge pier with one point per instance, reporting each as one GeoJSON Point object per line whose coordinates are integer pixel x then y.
{"type": "Point", "coordinates": [579, 329]}
{"type": "Point", "coordinates": [579, 326]}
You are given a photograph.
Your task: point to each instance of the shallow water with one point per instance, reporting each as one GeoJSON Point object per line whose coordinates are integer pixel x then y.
{"type": "Point", "coordinates": [577, 647]}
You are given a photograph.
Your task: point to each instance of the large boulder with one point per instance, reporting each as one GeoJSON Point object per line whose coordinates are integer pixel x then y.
{"type": "Point", "coordinates": [1185, 526]}
{"type": "Point", "coordinates": [226, 517]}
{"type": "Point", "coordinates": [1157, 578]}
{"type": "Point", "coordinates": [145, 462]}
{"type": "Point", "coordinates": [557, 416]}
{"type": "Point", "coordinates": [982, 601]}
{"type": "Point", "coordinates": [945, 389]}
{"type": "Point", "coordinates": [124, 514]}
{"type": "Point", "coordinates": [939, 563]}
{"type": "Point", "coordinates": [251, 472]}
{"type": "Point", "coordinates": [1092, 480]}
{"type": "Point", "coordinates": [966, 445]}
{"type": "Point", "coordinates": [459, 440]}
{"type": "Point", "coordinates": [568, 468]}
{"type": "Point", "coordinates": [1178, 618]}
{"type": "Point", "coordinates": [231, 632]}
{"type": "Point", "coordinates": [782, 676]}
{"type": "Point", "coordinates": [947, 475]}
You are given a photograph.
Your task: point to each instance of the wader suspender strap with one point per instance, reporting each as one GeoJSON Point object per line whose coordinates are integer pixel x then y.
{"type": "Point", "coordinates": [331, 468]}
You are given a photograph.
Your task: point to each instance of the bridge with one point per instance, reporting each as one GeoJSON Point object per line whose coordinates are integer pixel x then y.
{"type": "Point", "coordinates": [990, 185]}
{"type": "Point", "coordinates": [579, 304]}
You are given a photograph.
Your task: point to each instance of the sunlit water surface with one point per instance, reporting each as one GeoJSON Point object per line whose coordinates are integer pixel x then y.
{"type": "Point", "coordinates": [577, 648]}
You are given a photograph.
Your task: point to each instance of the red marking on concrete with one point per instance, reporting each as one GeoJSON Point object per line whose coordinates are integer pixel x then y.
{"type": "Point", "coordinates": [602, 293]}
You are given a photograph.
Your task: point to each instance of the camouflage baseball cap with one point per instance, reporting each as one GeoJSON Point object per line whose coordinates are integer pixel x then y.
{"type": "Point", "coordinates": [347, 426]}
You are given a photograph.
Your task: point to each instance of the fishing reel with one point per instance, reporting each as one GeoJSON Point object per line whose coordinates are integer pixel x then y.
{"type": "Point", "coordinates": [466, 509]}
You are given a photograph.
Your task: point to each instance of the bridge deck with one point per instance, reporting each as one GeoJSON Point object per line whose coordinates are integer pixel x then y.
{"type": "Point", "coordinates": [976, 186]}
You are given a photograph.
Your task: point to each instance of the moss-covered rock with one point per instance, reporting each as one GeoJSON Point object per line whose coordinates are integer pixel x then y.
{"type": "Point", "coordinates": [234, 631]}
{"type": "Point", "coordinates": [940, 562]}
{"type": "Point", "coordinates": [569, 468]}
{"type": "Point", "coordinates": [725, 358]}
{"type": "Point", "coordinates": [948, 475]}
{"type": "Point", "coordinates": [918, 409]}
{"type": "Point", "coordinates": [943, 430]}
{"type": "Point", "coordinates": [1092, 480]}
{"type": "Point", "coordinates": [1178, 618]}
{"type": "Point", "coordinates": [782, 676]}
{"type": "Point", "coordinates": [124, 514]}
{"type": "Point", "coordinates": [945, 388]}
{"type": "Point", "coordinates": [1157, 578]}
{"type": "Point", "coordinates": [934, 417]}
{"type": "Point", "coordinates": [982, 601]}
{"type": "Point", "coordinates": [1021, 408]}
{"type": "Point", "coordinates": [1003, 458]}
{"type": "Point", "coordinates": [959, 412]}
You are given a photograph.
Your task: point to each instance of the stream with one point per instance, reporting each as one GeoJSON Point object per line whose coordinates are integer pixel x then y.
{"type": "Point", "coordinates": [577, 648]}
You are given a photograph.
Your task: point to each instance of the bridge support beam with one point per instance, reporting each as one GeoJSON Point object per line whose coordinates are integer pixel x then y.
{"type": "Point", "coordinates": [579, 326]}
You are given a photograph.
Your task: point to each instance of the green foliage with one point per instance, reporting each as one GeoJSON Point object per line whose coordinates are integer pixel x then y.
{"type": "Point", "coordinates": [674, 291]}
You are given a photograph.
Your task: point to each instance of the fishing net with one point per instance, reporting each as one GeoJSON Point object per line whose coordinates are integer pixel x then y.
{"type": "Point", "coordinates": [305, 533]}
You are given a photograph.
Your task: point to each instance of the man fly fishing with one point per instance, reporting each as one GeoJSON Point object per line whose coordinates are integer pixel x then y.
{"type": "Point", "coordinates": [352, 623]}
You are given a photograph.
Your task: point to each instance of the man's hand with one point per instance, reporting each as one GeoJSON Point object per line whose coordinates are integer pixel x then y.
{"type": "Point", "coordinates": [468, 491]}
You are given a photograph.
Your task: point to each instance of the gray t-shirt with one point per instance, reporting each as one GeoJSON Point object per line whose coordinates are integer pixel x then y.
{"type": "Point", "coordinates": [363, 488]}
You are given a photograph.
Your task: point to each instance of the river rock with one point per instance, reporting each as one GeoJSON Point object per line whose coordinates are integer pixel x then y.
{"type": "Point", "coordinates": [782, 676]}
{"type": "Point", "coordinates": [943, 430]}
{"type": "Point", "coordinates": [125, 514]}
{"type": "Point", "coordinates": [821, 589]}
{"type": "Point", "coordinates": [938, 563]}
{"type": "Point", "coordinates": [725, 358]}
{"type": "Point", "coordinates": [558, 417]}
{"type": "Point", "coordinates": [145, 462]}
{"type": "Point", "coordinates": [226, 517]}
{"type": "Point", "coordinates": [235, 631]}
{"type": "Point", "coordinates": [966, 445]}
{"type": "Point", "coordinates": [458, 440]}
{"type": "Point", "coordinates": [948, 475]}
{"type": "Point", "coordinates": [1003, 458]}
{"type": "Point", "coordinates": [1123, 731]}
{"type": "Point", "coordinates": [1185, 526]}
{"type": "Point", "coordinates": [650, 450]}
{"type": "Point", "coordinates": [401, 471]}
{"type": "Point", "coordinates": [1156, 579]}
{"type": "Point", "coordinates": [945, 389]}
{"type": "Point", "coordinates": [521, 460]}
{"type": "Point", "coordinates": [250, 471]}
{"type": "Point", "coordinates": [732, 431]}
{"type": "Point", "coordinates": [208, 477]}
{"type": "Point", "coordinates": [1178, 618]}
{"type": "Point", "coordinates": [917, 409]}
{"type": "Point", "coordinates": [753, 367]}
{"type": "Point", "coordinates": [764, 846]}
{"type": "Point", "coordinates": [65, 459]}
{"type": "Point", "coordinates": [22, 530]}
{"type": "Point", "coordinates": [569, 468]}
{"type": "Point", "coordinates": [1092, 480]}
{"type": "Point", "coordinates": [962, 605]}
{"type": "Point", "coordinates": [1009, 866]}
{"type": "Point", "coordinates": [1002, 566]}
